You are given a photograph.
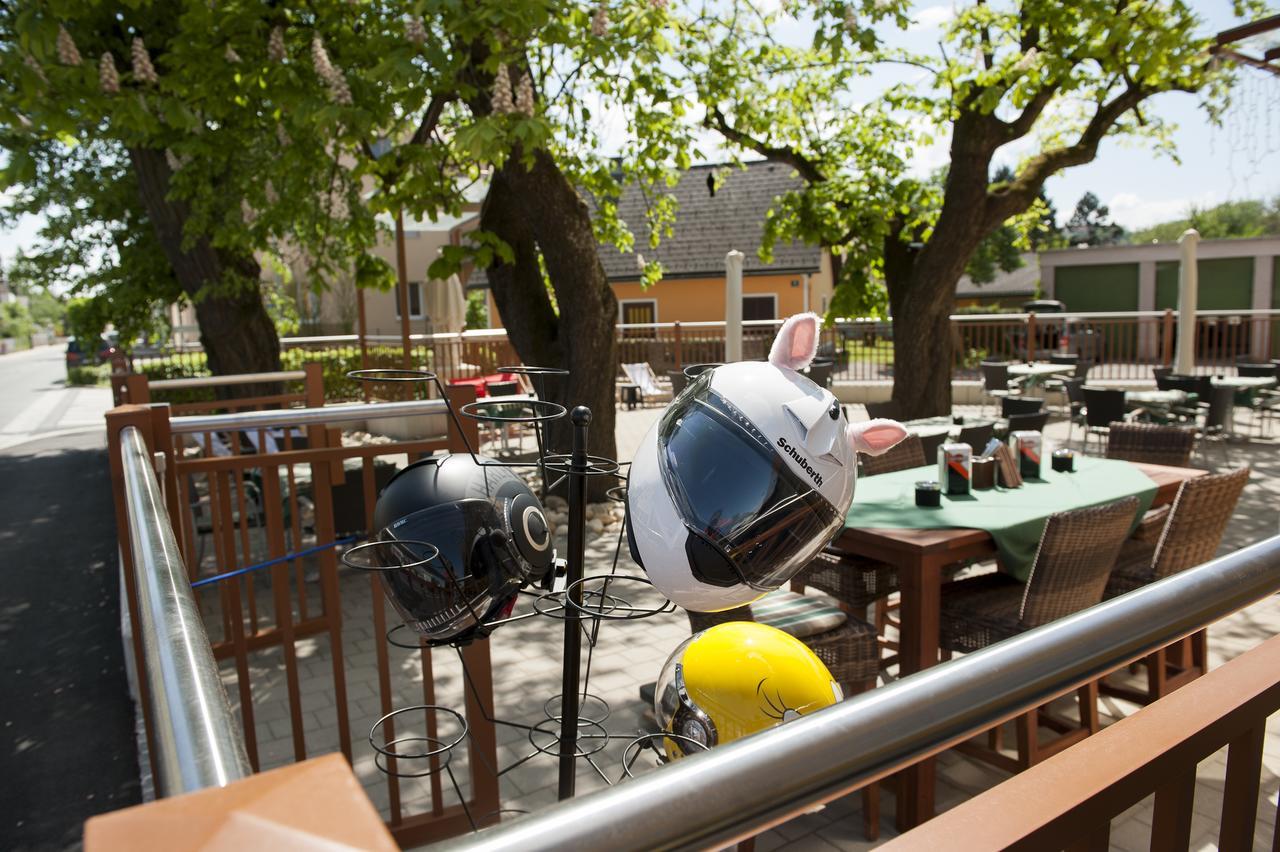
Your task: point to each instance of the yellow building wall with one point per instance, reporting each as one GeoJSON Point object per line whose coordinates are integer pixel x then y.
{"type": "Point", "coordinates": [702, 299]}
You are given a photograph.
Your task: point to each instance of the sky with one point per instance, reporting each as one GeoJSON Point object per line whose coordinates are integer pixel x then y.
{"type": "Point", "coordinates": [1240, 160]}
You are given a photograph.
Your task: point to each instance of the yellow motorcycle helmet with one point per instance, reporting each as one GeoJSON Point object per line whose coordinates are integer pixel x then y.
{"type": "Point", "coordinates": [735, 679]}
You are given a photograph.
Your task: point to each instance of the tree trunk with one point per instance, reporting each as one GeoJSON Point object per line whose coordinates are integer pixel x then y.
{"type": "Point", "coordinates": [537, 210]}
{"type": "Point", "coordinates": [235, 330]}
{"type": "Point", "coordinates": [922, 285]}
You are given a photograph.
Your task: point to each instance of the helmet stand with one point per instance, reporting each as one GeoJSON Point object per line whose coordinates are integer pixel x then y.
{"type": "Point", "coordinates": [580, 734]}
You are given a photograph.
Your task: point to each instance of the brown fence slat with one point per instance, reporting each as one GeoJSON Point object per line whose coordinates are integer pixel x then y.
{"type": "Point", "coordinates": [1240, 794]}
{"type": "Point", "coordinates": [236, 617]}
{"type": "Point", "coordinates": [283, 606]}
{"type": "Point", "coordinates": [1171, 819]}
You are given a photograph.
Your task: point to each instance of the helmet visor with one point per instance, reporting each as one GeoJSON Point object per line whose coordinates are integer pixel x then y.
{"type": "Point", "coordinates": [736, 493]}
{"type": "Point", "coordinates": [474, 574]}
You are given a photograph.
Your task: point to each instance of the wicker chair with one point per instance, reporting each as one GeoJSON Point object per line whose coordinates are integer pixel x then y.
{"type": "Point", "coordinates": [908, 453]}
{"type": "Point", "coordinates": [1190, 537]}
{"type": "Point", "coordinates": [1069, 574]}
{"type": "Point", "coordinates": [1150, 443]}
{"type": "Point", "coordinates": [850, 653]}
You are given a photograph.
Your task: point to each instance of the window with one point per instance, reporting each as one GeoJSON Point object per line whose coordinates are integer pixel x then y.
{"type": "Point", "coordinates": [760, 307]}
{"type": "Point", "coordinates": [638, 312]}
{"type": "Point", "coordinates": [415, 300]}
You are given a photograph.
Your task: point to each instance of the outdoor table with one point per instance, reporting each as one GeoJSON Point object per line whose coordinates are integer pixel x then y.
{"type": "Point", "coordinates": [942, 425]}
{"type": "Point", "coordinates": [1246, 383]}
{"type": "Point", "coordinates": [920, 554]}
{"type": "Point", "coordinates": [1246, 387]}
{"type": "Point", "coordinates": [1160, 401]}
{"type": "Point", "coordinates": [1032, 373]}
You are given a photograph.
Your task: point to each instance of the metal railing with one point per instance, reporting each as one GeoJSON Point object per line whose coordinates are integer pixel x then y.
{"type": "Point", "coordinates": [327, 416]}
{"type": "Point", "coordinates": [712, 799]}
{"type": "Point", "coordinates": [196, 738]}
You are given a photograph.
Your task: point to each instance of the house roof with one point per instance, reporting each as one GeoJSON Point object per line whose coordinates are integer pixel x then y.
{"type": "Point", "coordinates": [1020, 282]}
{"type": "Point", "coordinates": [707, 226]}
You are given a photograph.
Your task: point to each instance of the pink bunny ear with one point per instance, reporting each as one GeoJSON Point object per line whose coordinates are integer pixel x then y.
{"type": "Point", "coordinates": [796, 343]}
{"type": "Point", "coordinates": [875, 436]}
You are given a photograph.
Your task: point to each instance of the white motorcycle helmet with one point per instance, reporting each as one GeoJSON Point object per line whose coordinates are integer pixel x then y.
{"type": "Point", "coordinates": [745, 477]}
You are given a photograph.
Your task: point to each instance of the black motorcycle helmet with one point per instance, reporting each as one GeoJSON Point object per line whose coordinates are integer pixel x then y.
{"type": "Point", "coordinates": [492, 537]}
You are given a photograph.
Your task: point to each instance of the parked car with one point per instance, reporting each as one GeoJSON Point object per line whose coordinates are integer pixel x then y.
{"type": "Point", "coordinates": [77, 356]}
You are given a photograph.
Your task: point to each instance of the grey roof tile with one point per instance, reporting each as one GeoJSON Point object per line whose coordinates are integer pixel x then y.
{"type": "Point", "coordinates": [708, 226]}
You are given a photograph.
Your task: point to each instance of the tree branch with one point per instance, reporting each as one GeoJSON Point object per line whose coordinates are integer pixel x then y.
{"type": "Point", "coordinates": [432, 117]}
{"type": "Point", "coordinates": [1030, 114]}
{"type": "Point", "coordinates": [802, 164]}
{"type": "Point", "coordinates": [1016, 196]}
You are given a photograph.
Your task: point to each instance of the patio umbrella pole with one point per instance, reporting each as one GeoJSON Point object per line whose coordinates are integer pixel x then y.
{"type": "Point", "coordinates": [572, 673]}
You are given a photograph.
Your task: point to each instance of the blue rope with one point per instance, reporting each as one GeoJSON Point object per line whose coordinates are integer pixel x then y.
{"type": "Point", "coordinates": [288, 556]}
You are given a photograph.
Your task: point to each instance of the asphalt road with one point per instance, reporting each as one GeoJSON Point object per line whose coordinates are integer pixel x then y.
{"type": "Point", "coordinates": [32, 387]}
{"type": "Point", "coordinates": [66, 719]}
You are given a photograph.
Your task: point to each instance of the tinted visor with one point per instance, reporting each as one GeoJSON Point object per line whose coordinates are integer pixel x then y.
{"type": "Point", "coordinates": [472, 581]}
{"type": "Point", "coordinates": [756, 520]}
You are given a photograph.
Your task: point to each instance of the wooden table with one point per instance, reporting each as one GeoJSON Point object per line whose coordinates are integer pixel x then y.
{"type": "Point", "coordinates": [920, 556]}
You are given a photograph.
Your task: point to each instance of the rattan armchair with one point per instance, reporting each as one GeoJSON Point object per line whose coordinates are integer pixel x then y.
{"type": "Point", "coordinates": [908, 453]}
{"type": "Point", "coordinates": [1151, 443]}
{"type": "Point", "coordinates": [851, 653]}
{"type": "Point", "coordinates": [1069, 574]}
{"type": "Point", "coordinates": [1190, 537]}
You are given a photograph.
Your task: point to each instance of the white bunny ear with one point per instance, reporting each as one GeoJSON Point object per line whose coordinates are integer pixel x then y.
{"type": "Point", "coordinates": [874, 437]}
{"type": "Point", "coordinates": [796, 343]}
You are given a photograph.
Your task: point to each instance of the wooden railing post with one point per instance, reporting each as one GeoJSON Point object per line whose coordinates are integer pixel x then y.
{"type": "Point", "coordinates": [137, 390]}
{"type": "Point", "coordinates": [679, 340]}
{"type": "Point", "coordinates": [1031, 336]}
{"type": "Point", "coordinates": [458, 396]}
{"type": "Point", "coordinates": [1166, 344]}
{"type": "Point", "coordinates": [313, 384]}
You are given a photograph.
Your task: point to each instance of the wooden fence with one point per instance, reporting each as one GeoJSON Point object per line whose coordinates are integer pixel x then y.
{"type": "Point", "coordinates": [254, 497]}
{"type": "Point", "coordinates": [1120, 346]}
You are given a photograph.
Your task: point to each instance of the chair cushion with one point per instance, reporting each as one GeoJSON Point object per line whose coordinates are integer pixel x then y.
{"type": "Point", "coordinates": [801, 616]}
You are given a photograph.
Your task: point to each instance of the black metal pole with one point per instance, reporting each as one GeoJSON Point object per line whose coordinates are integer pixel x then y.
{"type": "Point", "coordinates": [578, 465]}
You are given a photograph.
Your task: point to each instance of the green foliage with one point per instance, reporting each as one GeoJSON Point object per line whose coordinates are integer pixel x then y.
{"type": "Point", "coordinates": [477, 310]}
{"type": "Point", "coordinates": [1051, 80]}
{"type": "Point", "coordinates": [89, 376]}
{"type": "Point", "coordinates": [1229, 220]}
{"type": "Point", "coordinates": [47, 310]}
{"type": "Point", "coordinates": [1090, 224]}
{"type": "Point", "coordinates": [15, 322]}
{"type": "Point", "coordinates": [86, 318]}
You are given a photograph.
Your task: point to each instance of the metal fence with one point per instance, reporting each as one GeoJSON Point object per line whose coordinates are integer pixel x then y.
{"type": "Point", "coordinates": [1121, 346]}
{"type": "Point", "coordinates": [274, 491]}
{"type": "Point", "coordinates": [712, 799]}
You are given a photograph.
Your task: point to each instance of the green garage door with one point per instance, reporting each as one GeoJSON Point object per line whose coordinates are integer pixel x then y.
{"type": "Point", "coordinates": [1101, 287]}
{"type": "Point", "coordinates": [1226, 284]}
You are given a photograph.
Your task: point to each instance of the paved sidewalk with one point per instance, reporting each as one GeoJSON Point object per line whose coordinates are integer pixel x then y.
{"type": "Point", "coordinates": [66, 717]}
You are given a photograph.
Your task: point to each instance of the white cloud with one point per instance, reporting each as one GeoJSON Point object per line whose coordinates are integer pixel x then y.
{"type": "Point", "coordinates": [932, 17]}
{"type": "Point", "coordinates": [1133, 211]}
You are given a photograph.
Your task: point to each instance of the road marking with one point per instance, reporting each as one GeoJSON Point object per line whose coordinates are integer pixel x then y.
{"type": "Point", "coordinates": [31, 417]}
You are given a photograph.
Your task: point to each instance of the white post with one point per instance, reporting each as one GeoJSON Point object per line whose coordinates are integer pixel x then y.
{"type": "Point", "coordinates": [733, 306]}
{"type": "Point", "coordinates": [1188, 287]}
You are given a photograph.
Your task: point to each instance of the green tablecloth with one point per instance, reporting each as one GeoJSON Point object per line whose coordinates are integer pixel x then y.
{"type": "Point", "coordinates": [1014, 517]}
